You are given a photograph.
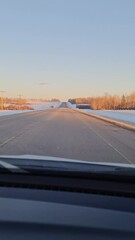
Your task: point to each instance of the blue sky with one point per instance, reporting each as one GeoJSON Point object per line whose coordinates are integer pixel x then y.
{"type": "Point", "coordinates": [80, 48]}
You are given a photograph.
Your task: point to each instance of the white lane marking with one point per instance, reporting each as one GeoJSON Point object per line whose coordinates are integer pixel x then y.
{"type": "Point", "coordinates": [26, 129]}
{"type": "Point", "coordinates": [108, 143]}
{"type": "Point", "coordinates": [10, 139]}
{"type": "Point", "coordinates": [7, 141]}
{"type": "Point", "coordinates": [11, 167]}
{"type": "Point", "coordinates": [18, 135]}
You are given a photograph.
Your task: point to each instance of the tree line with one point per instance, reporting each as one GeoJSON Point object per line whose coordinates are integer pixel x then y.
{"type": "Point", "coordinates": [108, 102]}
{"type": "Point", "coordinates": [20, 103]}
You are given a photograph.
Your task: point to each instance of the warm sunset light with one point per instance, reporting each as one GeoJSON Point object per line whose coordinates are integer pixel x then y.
{"type": "Point", "coordinates": [66, 49]}
{"type": "Point", "coordinates": [67, 119]}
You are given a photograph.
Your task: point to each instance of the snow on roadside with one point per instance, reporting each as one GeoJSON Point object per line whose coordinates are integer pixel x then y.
{"type": "Point", "coordinates": [37, 107]}
{"type": "Point", "coordinates": [11, 112]}
{"type": "Point", "coordinates": [126, 116]}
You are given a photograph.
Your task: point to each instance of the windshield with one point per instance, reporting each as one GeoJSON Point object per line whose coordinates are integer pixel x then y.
{"type": "Point", "coordinates": [67, 80]}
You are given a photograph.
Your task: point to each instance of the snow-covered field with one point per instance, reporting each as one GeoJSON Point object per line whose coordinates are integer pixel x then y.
{"type": "Point", "coordinates": [44, 105]}
{"type": "Point", "coordinates": [126, 116]}
{"type": "Point", "coordinates": [36, 106]}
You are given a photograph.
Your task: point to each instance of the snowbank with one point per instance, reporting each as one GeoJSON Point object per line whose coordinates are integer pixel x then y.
{"type": "Point", "coordinates": [11, 112]}
{"type": "Point", "coordinates": [126, 116]}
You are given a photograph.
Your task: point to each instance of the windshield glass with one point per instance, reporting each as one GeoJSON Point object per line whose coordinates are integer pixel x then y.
{"type": "Point", "coordinates": [67, 80]}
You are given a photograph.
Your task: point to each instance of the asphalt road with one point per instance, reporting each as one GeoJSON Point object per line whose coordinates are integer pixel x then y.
{"type": "Point", "coordinates": [65, 133]}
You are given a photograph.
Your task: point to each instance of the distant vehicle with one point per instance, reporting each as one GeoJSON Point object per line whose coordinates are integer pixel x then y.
{"type": "Point", "coordinates": [52, 106]}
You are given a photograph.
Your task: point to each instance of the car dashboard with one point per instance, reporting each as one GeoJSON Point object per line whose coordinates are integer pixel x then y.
{"type": "Point", "coordinates": [66, 200]}
{"type": "Point", "coordinates": [45, 214]}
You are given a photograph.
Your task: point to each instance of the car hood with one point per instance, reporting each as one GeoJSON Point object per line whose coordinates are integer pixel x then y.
{"type": "Point", "coordinates": [59, 159]}
{"type": "Point", "coordinates": [45, 164]}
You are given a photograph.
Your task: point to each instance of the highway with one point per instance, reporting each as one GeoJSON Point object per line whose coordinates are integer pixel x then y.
{"type": "Point", "coordinates": [65, 133]}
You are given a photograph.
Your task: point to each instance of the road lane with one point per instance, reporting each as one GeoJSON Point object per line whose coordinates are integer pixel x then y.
{"type": "Point", "coordinates": [16, 124]}
{"type": "Point", "coordinates": [66, 133]}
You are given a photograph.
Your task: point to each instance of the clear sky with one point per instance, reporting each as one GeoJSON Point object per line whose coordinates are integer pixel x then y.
{"type": "Point", "coordinates": [78, 48]}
